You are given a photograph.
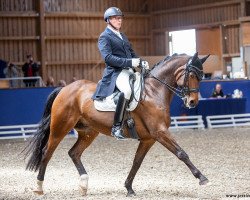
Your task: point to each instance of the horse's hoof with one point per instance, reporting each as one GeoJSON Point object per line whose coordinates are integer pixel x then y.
{"type": "Point", "coordinates": [39, 188]}
{"type": "Point", "coordinates": [131, 194]}
{"type": "Point", "coordinates": [38, 192]}
{"type": "Point", "coordinates": [83, 185]}
{"type": "Point", "coordinates": [204, 181]}
{"type": "Point", "coordinates": [83, 191]}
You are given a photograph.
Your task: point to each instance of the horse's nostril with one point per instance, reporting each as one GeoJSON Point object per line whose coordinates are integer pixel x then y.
{"type": "Point", "coordinates": [192, 103]}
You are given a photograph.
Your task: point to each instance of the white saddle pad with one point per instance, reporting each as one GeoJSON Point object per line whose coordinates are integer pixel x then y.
{"type": "Point", "coordinates": [108, 103]}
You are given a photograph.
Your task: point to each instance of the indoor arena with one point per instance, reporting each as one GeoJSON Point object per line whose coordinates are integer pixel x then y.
{"type": "Point", "coordinates": [111, 99]}
{"type": "Point", "coordinates": [221, 154]}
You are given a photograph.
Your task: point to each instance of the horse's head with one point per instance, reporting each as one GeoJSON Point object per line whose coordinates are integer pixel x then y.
{"type": "Point", "coordinates": [188, 77]}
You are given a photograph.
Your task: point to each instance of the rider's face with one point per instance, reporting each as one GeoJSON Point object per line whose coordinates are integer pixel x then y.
{"type": "Point", "coordinates": [218, 88]}
{"type": "Point", "coordinates": [116, 21]}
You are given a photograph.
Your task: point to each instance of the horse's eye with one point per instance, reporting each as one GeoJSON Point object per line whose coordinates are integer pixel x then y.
{"type": "Point", "coordinates": [192, 76]}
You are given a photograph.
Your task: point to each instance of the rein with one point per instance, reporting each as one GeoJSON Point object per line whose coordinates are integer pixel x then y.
{"type": "Point", "coordinates": [180, 91]}
{"type": "Point", "coordinates": [184, 89]}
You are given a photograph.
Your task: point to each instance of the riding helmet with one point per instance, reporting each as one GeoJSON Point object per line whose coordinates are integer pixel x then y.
{"type": "Point", "coordinates": [112, 11]}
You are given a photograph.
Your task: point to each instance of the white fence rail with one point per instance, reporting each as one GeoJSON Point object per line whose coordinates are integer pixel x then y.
{"type": "Point", "coordinates": [21, 131]}
{"type": "Point", "coordinates": [182, 122]}
{"type": "Point", "coordinates": [17, 82]}
{"type": "Point", "coordinates": [25, 131]}
{"type": "Point", "coordinates": [18, 131]}
{"type": "Point", "coordinates": [235, 120]}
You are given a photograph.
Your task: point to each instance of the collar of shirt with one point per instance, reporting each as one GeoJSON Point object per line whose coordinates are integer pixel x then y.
{"type": "Point", "coordinates": [115, 31]}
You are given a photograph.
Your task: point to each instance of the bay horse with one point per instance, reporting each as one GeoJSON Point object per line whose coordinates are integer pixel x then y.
{"type": "Point", "coordinates": [72, 107]}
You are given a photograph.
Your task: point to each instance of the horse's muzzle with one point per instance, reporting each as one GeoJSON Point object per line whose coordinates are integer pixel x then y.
{"type": "Point", "coordinates": [190, 102]}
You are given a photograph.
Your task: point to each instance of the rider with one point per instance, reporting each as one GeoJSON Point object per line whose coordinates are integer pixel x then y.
{"type": "Point", "coordinates": [120, 60]}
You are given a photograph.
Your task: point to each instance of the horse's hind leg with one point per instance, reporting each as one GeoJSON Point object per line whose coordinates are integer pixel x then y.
{"type": "Point", "coordinates": [166, 140]}
{"type": "Point", "coordinates": [57, 133]}
{"type": "Point", "coordinates": [85, 138]}
{"type": "Point", "coordinates": [47, 154]}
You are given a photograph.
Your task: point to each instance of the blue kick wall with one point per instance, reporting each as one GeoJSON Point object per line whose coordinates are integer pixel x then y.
{"type": "Point", "coordinates": [22, 106]}
{"type": "Point", "coordinates": [26, 105]}
{"type": "Point", "coordinates": [206, 89]}
{"type": "Point", "coordinates": [228, 87]}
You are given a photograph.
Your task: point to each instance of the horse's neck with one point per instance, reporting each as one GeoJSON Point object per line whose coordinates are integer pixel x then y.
{"type": "Point", "coordinates": [158, 94]}
{"type": "Point", "coordinates": [165, 73]}
{"type": "Point", "coordinates": [159, 91]}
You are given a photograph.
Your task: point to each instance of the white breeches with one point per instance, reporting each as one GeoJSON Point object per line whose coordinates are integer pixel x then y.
{"type": "Point", "coordinates": [122, 82]}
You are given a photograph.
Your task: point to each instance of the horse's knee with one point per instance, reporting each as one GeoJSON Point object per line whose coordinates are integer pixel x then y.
{"type": "Point", "coordinates": [182, 155]}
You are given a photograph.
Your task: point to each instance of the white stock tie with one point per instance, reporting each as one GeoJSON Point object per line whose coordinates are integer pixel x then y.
{"type": "Point", "coordinates": [119, 35]}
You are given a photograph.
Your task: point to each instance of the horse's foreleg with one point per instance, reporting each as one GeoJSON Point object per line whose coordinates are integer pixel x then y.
{"type": "Point", "coordinates": [166, 140]}
{"type": "Point", "coordinates": [142, 150]}
{"type": "Point", "coordinates": [85, 138]}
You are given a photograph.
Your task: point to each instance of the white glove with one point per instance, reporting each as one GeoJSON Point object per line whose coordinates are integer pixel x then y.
{"type": "Point", "coordinates": [135, 62]}
{"type": "Point", "coordinates": [145, 64]}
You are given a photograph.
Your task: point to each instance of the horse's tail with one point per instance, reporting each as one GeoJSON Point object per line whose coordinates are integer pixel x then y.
{"type": "Point", "coordinates": [40, 139]}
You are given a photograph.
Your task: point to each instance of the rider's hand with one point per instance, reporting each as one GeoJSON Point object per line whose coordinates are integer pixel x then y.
{"type": "Point", "coordinates": [135, 62]}
{"type": "Point", "coordinates": [145, 64]}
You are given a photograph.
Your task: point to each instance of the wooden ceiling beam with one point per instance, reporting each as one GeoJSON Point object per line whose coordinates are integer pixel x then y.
{"type": "Point", "coordinates": [198, 26]}
{"type": "Point", "coordinates": [196, 7]}
{"type": "Point", "coordinates": [90, 15]}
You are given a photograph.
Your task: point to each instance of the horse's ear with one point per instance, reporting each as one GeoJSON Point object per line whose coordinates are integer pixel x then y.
{"type": "Point", "coordinates": [195, 57]}
{"type": "Point", "coordinates": [204, 58]}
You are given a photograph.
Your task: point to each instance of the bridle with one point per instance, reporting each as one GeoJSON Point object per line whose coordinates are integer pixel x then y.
{"type": "Point", "coordinates": [183, 91]}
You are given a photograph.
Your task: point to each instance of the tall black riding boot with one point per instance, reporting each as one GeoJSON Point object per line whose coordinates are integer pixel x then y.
{"type": "Point", "coordinates": [117, 130]}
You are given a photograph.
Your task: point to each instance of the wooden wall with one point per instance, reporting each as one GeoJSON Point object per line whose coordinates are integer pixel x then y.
{"type": "Point", "coordinates": [208, 40]}
{"type": "Point", "coordinates": [19, 35]}
{"type": "Point", "coordinates": [62, 35]}
{"type": "Point", "coordinates": [177, 15]}
{"type": "Point", "coordinates": [248, 8]}
{"type": "Point", "coordinates": [204, 16]}
{"type": "Point", "coordinates": [246, 33]}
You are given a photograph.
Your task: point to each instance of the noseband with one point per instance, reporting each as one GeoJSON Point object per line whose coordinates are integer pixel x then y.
{"type": "Point", "coordinates": [182, 91]}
